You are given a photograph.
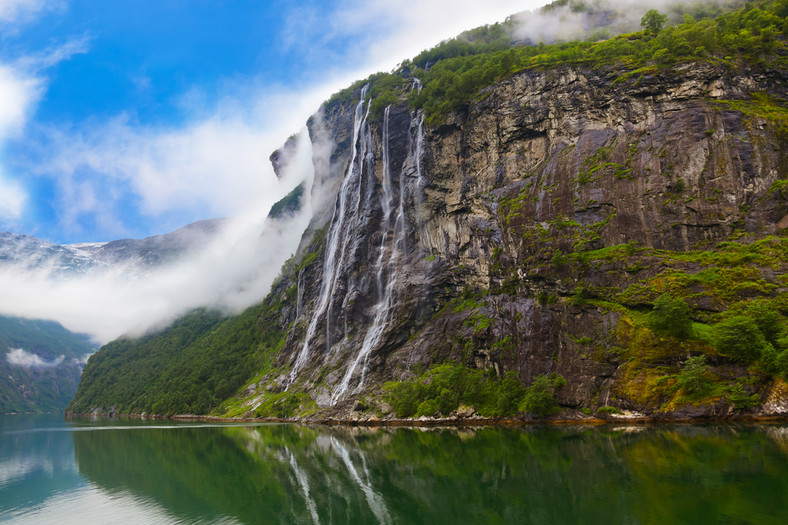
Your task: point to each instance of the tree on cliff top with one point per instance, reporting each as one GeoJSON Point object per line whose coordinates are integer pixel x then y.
{"type": "Point", "coordinates": [653, 21]}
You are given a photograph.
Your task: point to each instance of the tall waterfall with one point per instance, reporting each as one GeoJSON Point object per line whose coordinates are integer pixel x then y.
{"type": "Point", "coordinates": [337, 237]}
{"type": "Point", "coordinates": [390, 251]}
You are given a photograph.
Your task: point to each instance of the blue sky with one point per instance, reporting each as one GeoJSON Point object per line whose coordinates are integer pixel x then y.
{"type": "Point", "coordinates": [133, 118]}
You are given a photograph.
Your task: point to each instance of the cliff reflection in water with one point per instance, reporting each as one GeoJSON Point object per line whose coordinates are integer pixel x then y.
{"type": "Point", "coordinates": [287, 473]}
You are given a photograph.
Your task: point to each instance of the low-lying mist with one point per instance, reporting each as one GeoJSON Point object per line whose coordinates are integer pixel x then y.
{"type": "Point", "coordinates": [598, 19]}
{"type": "Point", "coordinates": [233, 271]}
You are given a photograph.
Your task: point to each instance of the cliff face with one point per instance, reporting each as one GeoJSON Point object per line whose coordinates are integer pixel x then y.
{"type": "Point", "coordinates": [528, 230]}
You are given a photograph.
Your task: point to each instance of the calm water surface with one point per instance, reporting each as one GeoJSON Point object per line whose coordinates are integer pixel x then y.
{"type": "Point", "coordinates": [53, 471]}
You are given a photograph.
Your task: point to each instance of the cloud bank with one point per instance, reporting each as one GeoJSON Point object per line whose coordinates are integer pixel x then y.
{"type": "Point", "coordinates": [231, 273]}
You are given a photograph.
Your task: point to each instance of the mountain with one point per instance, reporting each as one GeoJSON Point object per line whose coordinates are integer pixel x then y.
{"type": "Point", "coordinates": [63, 260]}
{"type": "Point", "coordinates": [40, 366]}
{"type": "Point", "coordinates": [589, 227]}
{"type": "Point", "coordinates": [157, 250]}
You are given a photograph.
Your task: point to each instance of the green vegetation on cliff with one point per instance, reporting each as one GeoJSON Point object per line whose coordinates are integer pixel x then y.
{"type": "Point", "coordinates": [455, 72]}
{"type": "Point", "coordinates": [751, 34]}
{"type": "Point", "coordinates": [444, 388]}
{"type": "Point", "coordinates": [190, 367]}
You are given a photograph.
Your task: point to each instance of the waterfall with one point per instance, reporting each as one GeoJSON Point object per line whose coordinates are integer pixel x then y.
{"type": "Point", "coordinates": [336, 238]}
{"type": "Point", "coordinates": [385, 201]}
{"type": "Point", "coordinates": [385, 290]}
{"type": "Point", "coordinates": [299, 293]}
{"type": "Point", "coordinates": [420, 181]}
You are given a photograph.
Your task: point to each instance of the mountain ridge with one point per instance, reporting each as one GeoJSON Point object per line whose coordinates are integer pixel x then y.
{"type": "Point", "coordinates": [28, 253]}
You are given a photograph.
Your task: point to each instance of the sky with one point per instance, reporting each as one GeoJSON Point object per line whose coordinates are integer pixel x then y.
{"type": "Point", "coordinates": [128, 119]}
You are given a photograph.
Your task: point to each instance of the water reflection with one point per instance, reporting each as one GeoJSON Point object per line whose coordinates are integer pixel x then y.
{"type": "Point", "coordinates": [34, 465]}
{"type": "Point", "coordinates": [296, 474]}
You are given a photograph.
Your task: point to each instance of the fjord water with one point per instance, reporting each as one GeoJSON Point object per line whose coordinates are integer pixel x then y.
{"type": "Point", "coordinates": [54, 471]}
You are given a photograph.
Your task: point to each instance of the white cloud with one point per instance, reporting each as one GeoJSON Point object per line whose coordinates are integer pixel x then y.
{"type": "Point", "coordinates": [21, 89]}
{"type": "Point", "coordinates": [382, 33]}
{"type": "Point", "coordinates": [425, 24]}
{"type": "Point", "coordinates": [52, 56]}
{"type": "Point", "coordinates": [81, 361]}
{"type": "Point", "coordinates": [12, 200]}
{"type": "Point", "coordinates": [217, 165]}
{"type": "Point", "coordinates": [19, 93]}
{"type": "Point", "coordinates": [29, 360]}
{"type": "Point", "coordinates": [17, 11]}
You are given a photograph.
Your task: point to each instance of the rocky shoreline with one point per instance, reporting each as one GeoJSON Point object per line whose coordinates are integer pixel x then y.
{"type": "Point", "coordinates": [625, 418]}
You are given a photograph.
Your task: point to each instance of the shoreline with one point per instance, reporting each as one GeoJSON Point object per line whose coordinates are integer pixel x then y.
{"type": "Point", "coordinates": [425, 422]}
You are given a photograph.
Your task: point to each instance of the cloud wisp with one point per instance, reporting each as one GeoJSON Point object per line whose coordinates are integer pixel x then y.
{"type": "Point", "coordinates": [30, 361]}
{"type": "Point", "coordinates": [21, 11]}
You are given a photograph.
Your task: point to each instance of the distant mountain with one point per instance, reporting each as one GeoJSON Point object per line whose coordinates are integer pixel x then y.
{"type": "Point", "coordinates": [27, 253]}
{"type": "Point", "coordinates": [62, 260]}
{"type": "Point", "coordinates": [40, 365]}
{"type": "Point", "coordinates": [40, 361]}
{"type": "Point", "coordinates": [156, 250]}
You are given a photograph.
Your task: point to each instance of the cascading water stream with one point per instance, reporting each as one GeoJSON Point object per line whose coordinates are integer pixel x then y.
{"type": "Point", "coordinates": [299, 293]}
{"type": "Point", "coordinates": [420, 181]}
{"type": "Point", "coordinates": [386, 292]}
{"type": "Point", "coordinates": [386, 201]}
{"type": "Point", "coordinates": [336, 238]}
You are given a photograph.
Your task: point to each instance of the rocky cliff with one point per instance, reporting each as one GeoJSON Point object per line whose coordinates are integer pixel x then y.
{"type": "Point", "coordinates": [530, 233]}
{"type": "Point", "coordinates": [545, 202]}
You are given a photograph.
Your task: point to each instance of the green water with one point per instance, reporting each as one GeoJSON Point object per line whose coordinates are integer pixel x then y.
{"type": "Point", "coordinates": [53, 471]}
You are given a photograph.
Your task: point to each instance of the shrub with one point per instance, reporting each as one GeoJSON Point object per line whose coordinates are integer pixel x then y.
{"type": "Point", "coordinates": [671, 317]}
{"type": "Point", "coordinates": [539, 397]}
{"type": "Point", "coordinates": [773, 361]}
{"type": "Point", "coordinates": [693, 378]}
{"type": "Point", "coordinates": [768, 321]}
{"type": "Point", "coordinates": [405, 397]}
{"type": "Point", "coordinates": [741, 399]}
{"type": "Point", "coordinates": [653, 21]}
{"type": "Point", "coordinates": [429, 407]}
{"type": "Point", "coordinates": [738, 337]}
{"type": "Point", "coordinates": [508, 393]}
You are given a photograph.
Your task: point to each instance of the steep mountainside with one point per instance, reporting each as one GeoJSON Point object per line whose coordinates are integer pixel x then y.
{"type": "Point", "coordinates": [596, 227]}
{"type": "Point", "coordinates": [40, 366]}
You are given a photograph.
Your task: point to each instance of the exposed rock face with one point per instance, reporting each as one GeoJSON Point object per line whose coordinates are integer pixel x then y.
{"type": "Point", "coordinates": [545, 164]}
